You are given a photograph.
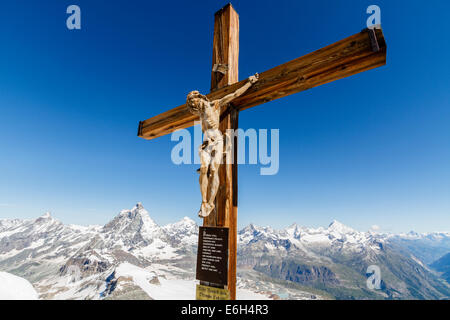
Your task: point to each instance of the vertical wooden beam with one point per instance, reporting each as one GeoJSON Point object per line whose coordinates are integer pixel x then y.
{"type": "Point", "coordinates": [225, 66]}
{"type": "Point", "coordinates": [232, 206]}
{"type": "Point", "coordinates": [225, 70]}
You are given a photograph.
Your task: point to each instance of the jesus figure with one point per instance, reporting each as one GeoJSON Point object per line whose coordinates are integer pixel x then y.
{"type": "Point", "coordinates": [211, 151]}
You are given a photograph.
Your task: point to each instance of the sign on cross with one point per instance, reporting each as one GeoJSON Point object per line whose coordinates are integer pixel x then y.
{"type": "Point", "coordinates": [360, 52]}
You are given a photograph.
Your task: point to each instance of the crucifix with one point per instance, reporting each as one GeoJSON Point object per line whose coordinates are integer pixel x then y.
{"type": "Point", "coordinates": [358, 53]}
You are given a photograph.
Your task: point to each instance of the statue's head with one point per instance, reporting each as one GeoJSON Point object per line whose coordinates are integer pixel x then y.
{"type": "Point", "coordinates": [195, 101]}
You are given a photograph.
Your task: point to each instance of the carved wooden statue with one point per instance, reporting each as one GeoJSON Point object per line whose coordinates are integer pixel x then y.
{"type": "Point", "coordinates": [211, 151]}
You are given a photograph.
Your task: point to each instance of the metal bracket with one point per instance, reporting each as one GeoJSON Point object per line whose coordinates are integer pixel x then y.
{"type": "Point", "coordinates": [141, 123]}
{"type": "Point", "coordinates": [221, 68]}
{"type": "Point", "coordinates": [373, 39]}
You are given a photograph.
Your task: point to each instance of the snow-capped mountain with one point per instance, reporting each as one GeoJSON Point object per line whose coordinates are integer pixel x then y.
{"type": "Point", "coordinates": [184, 231]}
{"type": "Point", "coordinates": [433, 236]}
{"type": "Point", "coordinates": [336, 259]}
{"type": "Point", "coordinates": [44, 240]}
{"type": "Point", "coordinates": [428, 247]}
{"type": "Point", "coordinates": [299, 237]}
{"type": "Point", "coordinates": [132, 228]}
{"type": "Point", "coordinates": [132, 257]}
{"type": "Point", "coordinates": [50, 254]}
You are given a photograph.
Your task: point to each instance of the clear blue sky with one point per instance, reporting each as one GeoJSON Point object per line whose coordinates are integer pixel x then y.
{"type": "Point", "coordinates": [373, 149]}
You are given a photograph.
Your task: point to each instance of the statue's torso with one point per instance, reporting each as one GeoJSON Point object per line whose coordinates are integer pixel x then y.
{"type": "Point", "coordinates": [210, 117]}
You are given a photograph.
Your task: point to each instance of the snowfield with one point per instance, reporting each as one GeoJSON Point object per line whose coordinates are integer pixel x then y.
{"type": "Point", "coordinates": [171, 288]}
{"type": "Point", "coordinates": [16, 288]}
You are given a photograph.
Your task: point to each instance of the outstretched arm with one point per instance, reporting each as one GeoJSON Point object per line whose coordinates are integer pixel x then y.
{"type": "Point", "coordinates": [239, 92]}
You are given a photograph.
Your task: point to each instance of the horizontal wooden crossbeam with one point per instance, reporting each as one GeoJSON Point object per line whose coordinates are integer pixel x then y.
{"type": "Point", "coordinates": [361, 52]}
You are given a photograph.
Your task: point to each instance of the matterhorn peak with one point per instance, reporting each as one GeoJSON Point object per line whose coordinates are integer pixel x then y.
{"type": "Point", "coordinates": [133, 223]}
{"type": "Point", "coordinates": [46, 218]}
{"type": "Point", "coordinates": [137, 214]}
{"type": "Point", "coordinates": [139, 206]}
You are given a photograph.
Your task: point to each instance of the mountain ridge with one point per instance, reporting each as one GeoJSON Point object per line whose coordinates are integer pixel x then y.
{"type": "Point", "coordinates": [332, 260]}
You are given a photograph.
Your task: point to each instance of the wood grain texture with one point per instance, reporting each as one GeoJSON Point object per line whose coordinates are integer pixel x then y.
{"type": "Point", "coordinates": [226, 52]}
{"type": "Point", "coordinates": [231, 207]}
{"type": "Point", "coordinates": [336, 61]}
{"type": "Point", "coordinates": [225, 47]}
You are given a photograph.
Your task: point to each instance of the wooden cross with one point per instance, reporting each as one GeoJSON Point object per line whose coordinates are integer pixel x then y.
{"type": "Point", "coordinates": [361, 52]}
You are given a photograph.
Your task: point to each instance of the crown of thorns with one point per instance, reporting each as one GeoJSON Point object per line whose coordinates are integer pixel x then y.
{"type": "Point", "coordinates": [195, 94]}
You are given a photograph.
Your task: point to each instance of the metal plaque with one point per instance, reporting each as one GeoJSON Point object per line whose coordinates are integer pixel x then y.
{"type": "Point", "coordinates": [212, 255]}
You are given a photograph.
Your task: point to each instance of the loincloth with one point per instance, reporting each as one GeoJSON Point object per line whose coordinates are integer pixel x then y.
{"type": "Point", "coordinates": [213, 139]}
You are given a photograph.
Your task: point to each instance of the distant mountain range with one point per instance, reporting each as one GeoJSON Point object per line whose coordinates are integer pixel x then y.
{"type": "Point", "coordinates": [132, 257]}
{"type": "Point", "coordinates": [335, 261]}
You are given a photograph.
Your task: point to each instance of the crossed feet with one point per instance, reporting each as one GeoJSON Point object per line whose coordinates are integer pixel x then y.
{"type": "Point", "coordinates": [205, 209]}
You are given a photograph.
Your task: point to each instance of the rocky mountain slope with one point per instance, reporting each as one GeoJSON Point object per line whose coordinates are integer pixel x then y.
{"type": "Point", "coordinates": [73, 262]}
{"type": "Point", "coordinates": [443, 265]}
{"type": "Point", "coordinates": [132, 257]}
{"type": "Point", "coordinates": [428, 247]}
{"type": "Point", "coordinates": [336, 259]}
